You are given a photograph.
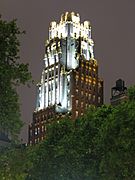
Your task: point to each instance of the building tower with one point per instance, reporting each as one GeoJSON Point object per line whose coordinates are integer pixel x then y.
{"type": "Point", "coordinates": [69, 81]}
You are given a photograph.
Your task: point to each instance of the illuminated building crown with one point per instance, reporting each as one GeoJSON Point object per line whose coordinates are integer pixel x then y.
{"type": "Point", "coordinates": [68, 41]}
{"type": "Point", "coordinates": [70, 26]}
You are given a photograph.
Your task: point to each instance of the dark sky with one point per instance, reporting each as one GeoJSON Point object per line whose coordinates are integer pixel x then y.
{"type": "Point", "coordinates": [113, 30]}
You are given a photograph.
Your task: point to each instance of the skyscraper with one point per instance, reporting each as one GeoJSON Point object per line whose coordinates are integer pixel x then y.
{"type": "Point", "coordinates": [69, 82]}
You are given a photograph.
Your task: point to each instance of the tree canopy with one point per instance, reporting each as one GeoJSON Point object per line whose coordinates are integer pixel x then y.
{"type": "Point", "coordinates": [98, 145]}
{"type": "Point", "coordinates": [12, 74]}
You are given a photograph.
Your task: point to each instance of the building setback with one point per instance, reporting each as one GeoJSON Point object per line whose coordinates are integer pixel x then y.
{"type": "Point", "coordinates": [69, 82]}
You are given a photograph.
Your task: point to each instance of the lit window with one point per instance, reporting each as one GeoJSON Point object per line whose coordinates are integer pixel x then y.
{"type": "Point", "coordinates": [99, 99]}
{"type": "Point", "coordinates": [89, 67]}
{"type": "Point", "coordinates": [81, 104]}
{"type": "Point", "coordinates": [76, 102]}
{"type": "Point", "coordinates": [82, 78]}
{"type": "Point", "coordinates": [94, 98]}
{"type": "Point", "coordinates": [94, 80]}
{"type": "Point", "coordinates": [42, 128]}
{"type": "Point", "coordinates": [94, 64]}
{"type": "Point", "coordinates": [89, 97]}
{"type": "Point", "coordinates": [86, 79]}
{"type": "Point", "coordinates": [76, 81]}
{"type": "Point", "coordinates": [77, 76]}
{"type": "Point", "coordinates": [76, 113]}
{"type": "Point", "coordinates": [36, 132]}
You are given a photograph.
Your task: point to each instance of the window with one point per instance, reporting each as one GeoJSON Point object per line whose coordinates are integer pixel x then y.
{"type": "Point", "coordinates": [76, 90]}
{"type": "Point", "coordinates": [76, 102]}
{"type": "Point", "coordinates": [89, 98]}
{"type": "Point", "coordinates": [94, 97]}
{"type": "Point", "coordinates": [42, 128]}
{"type": "Point", "coordinates": [94, 80]}
{"type": "Point", "coordinates": [77, 76]}
{"type": "Point", "coordinates": [82, 93]}
{"type": "Point", "coordinates": [36, 132]}
{"type": "Point", "coordinates": [99, 99]}
{"type": "Point", "coordinates": [82, 78]}
{"type": "Point", "coordinates": [76, 113]}
{"type": "Point", "coordinates": [76, 81]}
{"type": "Point", "coordinates": [89, 67]}
{"type": "Point", "coordinates": [82, 65]}
{"type": "Point", "coordinates": [81, 104]}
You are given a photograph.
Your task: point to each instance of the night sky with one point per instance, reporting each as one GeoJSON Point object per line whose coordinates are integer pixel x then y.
{"type": "Point", "coordinates": [113, 31]}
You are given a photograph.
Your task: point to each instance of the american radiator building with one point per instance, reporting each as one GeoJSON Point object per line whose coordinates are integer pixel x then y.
{"type": "Point", "coordinates": [69, 81]}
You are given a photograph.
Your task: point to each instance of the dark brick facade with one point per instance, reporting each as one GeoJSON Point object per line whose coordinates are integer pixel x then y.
{"type": "Point", "coordinates": [86, 90]}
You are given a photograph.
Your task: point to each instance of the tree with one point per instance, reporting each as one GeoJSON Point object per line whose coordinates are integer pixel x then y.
{"type": "Point", "coordinates": [131, 93]}
{"type": "Point", "coordinates": [70, 150]}
{"type": "Point", "coordinates": [12, 74]}
{"type": "Point", "coordinates": [49, 158]}
{"type": "Point", "coordinates": [14, 163]}
{"type": "Point", "coordinates": [98, 145]}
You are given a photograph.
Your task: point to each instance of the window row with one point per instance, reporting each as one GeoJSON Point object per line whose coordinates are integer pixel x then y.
{"type": "Point", "coordinates": [39, 130]}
